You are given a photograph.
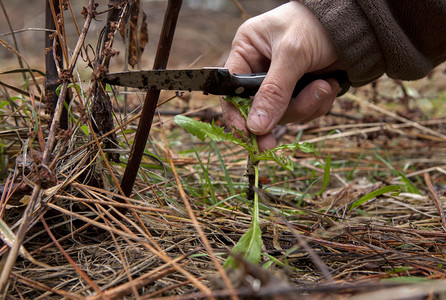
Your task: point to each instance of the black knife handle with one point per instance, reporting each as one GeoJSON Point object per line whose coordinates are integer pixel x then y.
{"type": "Point", "coordinates": [245, 85]}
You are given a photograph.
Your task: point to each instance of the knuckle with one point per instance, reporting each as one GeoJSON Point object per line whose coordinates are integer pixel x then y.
{"type": "Point", "coordinates": [274, 98]}
{"type": "Point", "coordinates": [247, 27]}
{"type": "Point", "coordinates": [275, 92]}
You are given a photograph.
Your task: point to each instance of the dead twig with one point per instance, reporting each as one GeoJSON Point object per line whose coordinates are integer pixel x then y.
{"type": "Point", "coordinates": [143, 280]}
{"type": "Point", "coordinates": [41, 286]}
{"type": "Point", "coordinates": [148, 110]}
{"type": "Point", "coordinates": [198, 228]}
{"type": "Point", "coordinates": [242, 10]}
{"type": "Point", "coordinates": [71, 261]}
{"type": "Point", "coordinates": [374, 107]}
{"type": "Point", "coordinates": [436, 199]}
{"type": "Point", "coordinates": [36, 194]}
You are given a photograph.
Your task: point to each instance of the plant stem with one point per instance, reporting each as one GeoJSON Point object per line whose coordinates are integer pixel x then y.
{"type": "Point", "coordinates": [255, 209]}
{"type": "Point", "coordinates": [251, 169]}
{"type": "Point", "coordinates": [255, 165]}
{"type": "Point", "coordinates": [53, 63]}
{"type": "Point", "coordinates": [148, 110]}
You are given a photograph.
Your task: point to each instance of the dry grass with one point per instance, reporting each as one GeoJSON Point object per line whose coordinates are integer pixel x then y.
{"type": "Point", "coordinates": [168, 239]}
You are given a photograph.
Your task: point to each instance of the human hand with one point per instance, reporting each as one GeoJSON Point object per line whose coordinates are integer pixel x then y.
{"type": "Point", "coordinates": [287, 42]}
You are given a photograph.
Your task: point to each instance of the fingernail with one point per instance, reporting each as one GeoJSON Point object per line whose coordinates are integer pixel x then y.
{"type": "Point", "coordinates": [335, 86]}
{"type": "Point", "coordinates": [320, 93]}
{"type": "Point", "coordinates": [258, 121]}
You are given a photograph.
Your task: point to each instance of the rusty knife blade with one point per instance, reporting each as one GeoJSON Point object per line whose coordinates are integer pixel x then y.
{"type": "Point", "coordinates": [217, 81]}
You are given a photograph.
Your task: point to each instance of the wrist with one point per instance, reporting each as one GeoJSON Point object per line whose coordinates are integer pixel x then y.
{"type": "Point", "coordinates": [352, 36]}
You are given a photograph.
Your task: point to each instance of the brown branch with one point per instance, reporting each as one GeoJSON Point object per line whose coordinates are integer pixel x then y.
{"type": "Point", "coordinates": [242, 10]}
{"type": "Point", "coordinates": [53, 63]}
{"type": "Point", "coordinates": [436, 199]}
{"type": "Point", "coordinates": [148, 110]}
{"type": "Point", "coordinates": [64, 88]}
{"type": "Point", "coordinates": [61, 38]}
{"type": "Point", "coordinates": [13, 252]}
{"type": "Point", "coordinates": [16, 89]}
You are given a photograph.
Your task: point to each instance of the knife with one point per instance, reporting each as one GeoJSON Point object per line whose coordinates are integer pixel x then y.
{"type": "Point", "coordinates": [216, 81]}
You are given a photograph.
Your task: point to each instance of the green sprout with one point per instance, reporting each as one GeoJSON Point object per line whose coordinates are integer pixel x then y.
{"type": "Point", "coordinates": [249, 247]}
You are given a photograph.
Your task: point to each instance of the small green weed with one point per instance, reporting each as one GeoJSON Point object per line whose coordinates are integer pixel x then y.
{"type": "Point", "coordinates": [250, 244]}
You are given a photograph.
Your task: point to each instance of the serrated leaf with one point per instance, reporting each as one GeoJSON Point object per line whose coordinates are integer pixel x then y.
{"type": "Point", "coordinates": [242, 104]}
{"type": "Point", "coordinates": [203, 130]}
{"type": "Point", "coordinates": [304, 147]}
{"type": "Point", "coordinates": [281, 160]}
{"type": "Point", "coordinates": [249, 247]}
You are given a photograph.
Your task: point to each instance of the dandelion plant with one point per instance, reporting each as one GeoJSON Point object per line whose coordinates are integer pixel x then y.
{"type": "Point", "coordinates": [249, 246]}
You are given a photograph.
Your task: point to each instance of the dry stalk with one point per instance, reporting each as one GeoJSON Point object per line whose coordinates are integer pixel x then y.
{"type": "Point", "coordinates": [158, 251]}
{"type": "Point", "coordinates": [61, 36]}
{"type": "Point", "coordinates": [242, 10]}
{"type": "Point", "coordinates": [375, 128]}
{"type": "Point", "coordinates": [374, 107]}
{"type": "Point", "coordinates": [151, 99]}
{"type": "Point", "coordinates": [70, 235]}
{"type": "Point", "coordinates": [40, 286]}
{"type": "Point", "coordinates": [127, 233]}
{"type": "Point", "coordinates": [126, 268]}
{"type": "Point", "coordinates": [391, 233]}
{"type": "Point", "coordinates": [71, 261]}
{"type": "Point", "coordinates": [436, 200]}
{"type": "Point", "coordinates": [112, 203]}
{"type": "Point", "coordinates": [58, 110]}
{"type": "Point", "coordinates": [13, 252]}
{"type": "Point", "coordinates": [198, 228]}
{"type": "Point", "coordinates": [141, 281]}
{"type": "Point", "coordinates": [35, 197]}
{"type": "Point", "coordinates": [16, 89]}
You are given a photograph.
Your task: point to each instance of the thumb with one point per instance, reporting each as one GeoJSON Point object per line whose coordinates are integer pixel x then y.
{"type": "Point", "coordinates": [273, 96]}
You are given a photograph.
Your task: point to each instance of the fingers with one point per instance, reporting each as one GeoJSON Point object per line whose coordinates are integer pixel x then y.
{"type": "Point", "coordinates": [232, 117]}
{"type": "Point", "coordinates": [249, 49]}
{"type": "Point", "coordinates": [266, 142]}
{"type": "Point", "coordinates": [314, 101]}
{"type": "Point", "coordinates": [244, 58]}
{"type": "Point", "coordinates": [286, 42]}
{"type": "Point", "coordinates": [272, 99]}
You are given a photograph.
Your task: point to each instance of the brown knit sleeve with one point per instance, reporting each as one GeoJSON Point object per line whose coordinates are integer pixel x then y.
{"type": "Point", "coordinates": [404, 39]}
